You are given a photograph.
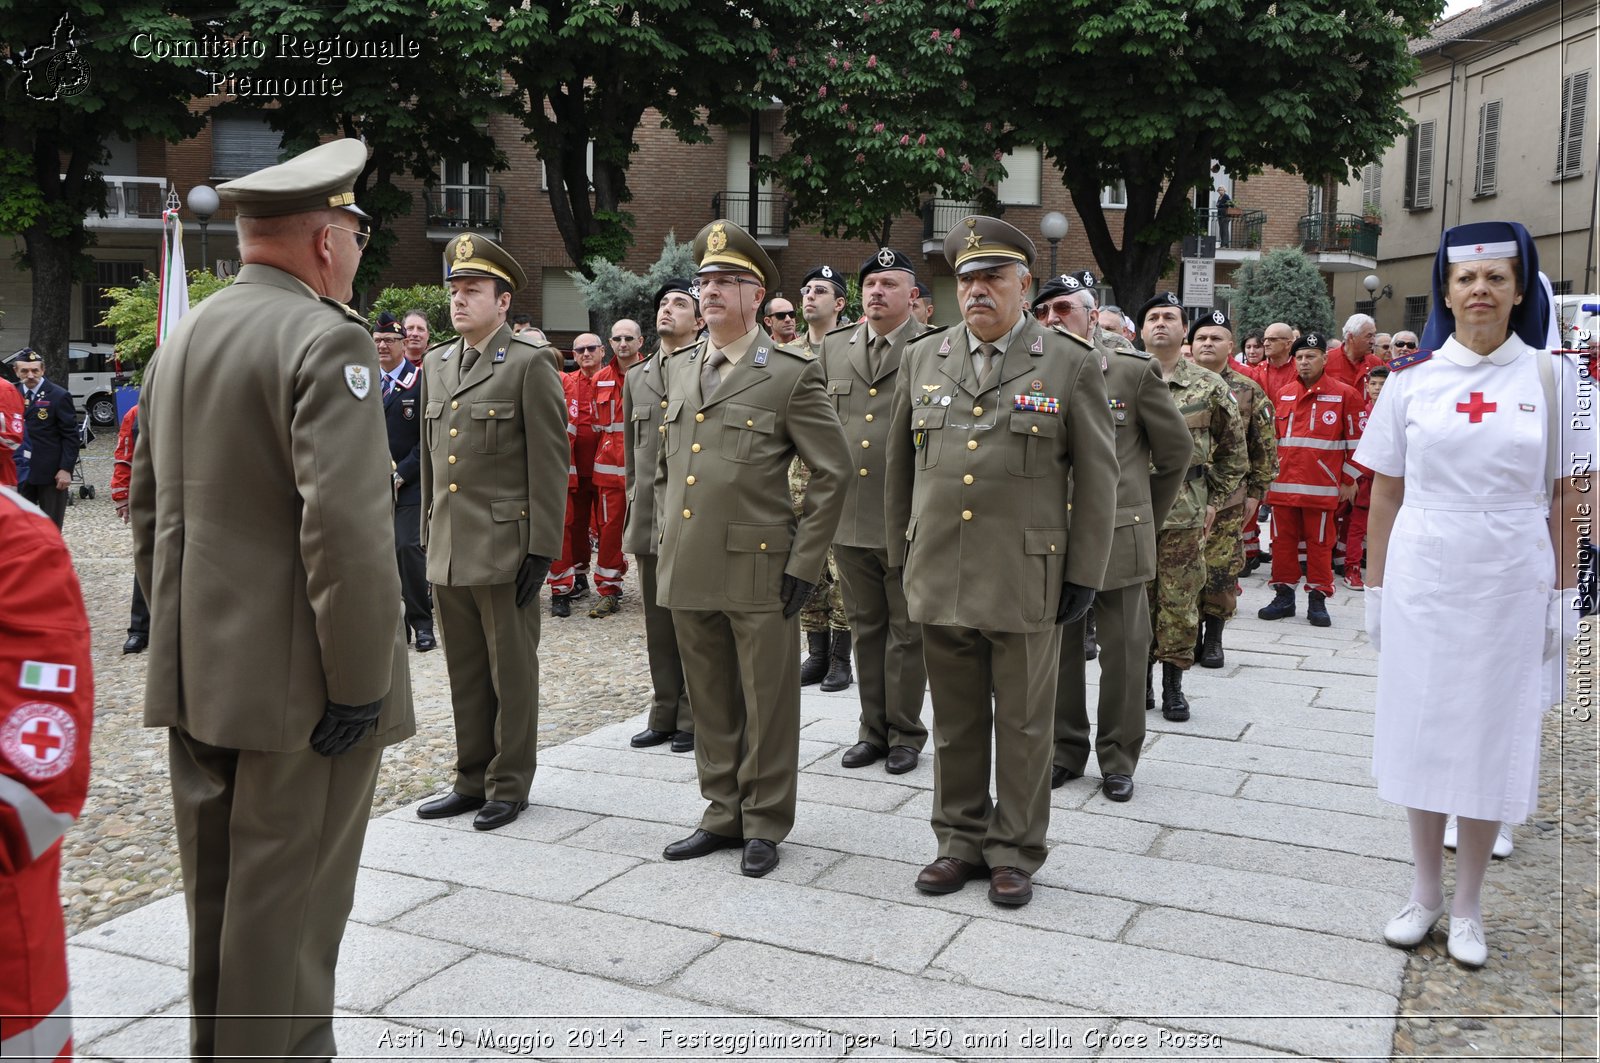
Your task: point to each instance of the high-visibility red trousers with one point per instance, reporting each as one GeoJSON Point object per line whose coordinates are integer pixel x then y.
{"type": "Point", "coordinates": [1355, 541]}
{"type": "Point", "coordinates": [1292, 525]}
{"type": "Point", "coordinates": [35, 1011]}
{"type": "Point", "coordinates": [604, 509]}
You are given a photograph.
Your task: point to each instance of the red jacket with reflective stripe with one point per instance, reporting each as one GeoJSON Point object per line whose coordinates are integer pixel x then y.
{"type": "Point", "coordinates": [1318, 428]}
{"type": "Point", "coordinates": [594, 407]}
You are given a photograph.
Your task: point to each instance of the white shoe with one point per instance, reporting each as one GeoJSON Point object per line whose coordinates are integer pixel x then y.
{"type": "Point", "coordinates": [1466, 942]}
{"type": "Point", "coordinates": [1411, 926]}
{"type": "Point", "coordinates": [1502, 842]}
{"type": "Point", "coordinates": [1450, 833]}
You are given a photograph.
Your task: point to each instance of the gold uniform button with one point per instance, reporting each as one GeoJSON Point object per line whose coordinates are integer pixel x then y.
{"type": "Point", "coordinates": [687, 514]}
{"type": "Point", "coordinates": [749, 424]}
{"type": "Point", "coordinates": [1136, 518]}
{"type": "Point", "coordinates": [967, 479]}
{"type": "Point", "coordinates": [866, 444]}
{"type": "Point", "coordinates": [966, 514]}
{"type": "Point", "coordinates": [972, 444]}
{"type": "Point", "coordinates": [491, 413]}
{"type": "Point", "coordinates": [977, 411]}
{"type": "Point", "coordinates": [873, 392]}
{"type": "Point", "coordinates": [863, 472]}
{"type": "Point", "coordinates": [763, 546]}
{"type": "Point", "coordinates": [921, 422]}
{"type": "Point", "coordinates": [869, 417]}
{"type": "Point", "coordinates": [1052, 548]}
{"type": "Point", "coordinates": [699, 417]}
{"type": "Point", "coordinates": [663, 404]}
{"type": "Point", "coordinates": [452, 488]}
{"type": "Point", "coordinates": [454, 432]}
{"type": "Point", "coordinates": [1034, 429]}
{"type": "Point", "coordinates": [662, 429]}
{"type": "Point", "coordinates": [695, 449]}
{"type": "Point", "coordinates": [455, 405]}
{"type": "Point", "coordinates": [689, 481]}
{"type": "Point", "coordinates": [524, 513]}
{"type": "Point", "coordinates": [452, 459]}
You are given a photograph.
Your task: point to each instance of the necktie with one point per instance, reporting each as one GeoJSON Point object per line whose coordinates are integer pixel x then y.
{"type": "Point", "coordinates": [875, 351]}
{"type": "Point", "coordinates": [33, 395]}
{"type": "Point", "coordinates": [468, 357]}
{"type": "Point", "coordinates": [710, 375]}
{"type": "Point", "coordinates": [988, 358]}
{"type": "Point", "coordinates": [388, 384]}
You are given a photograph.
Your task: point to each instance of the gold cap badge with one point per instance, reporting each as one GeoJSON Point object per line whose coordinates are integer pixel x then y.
{"type": "Point", "coordinates": [718, 240]}
{"type": "Point", "coordinates": [463, 249]}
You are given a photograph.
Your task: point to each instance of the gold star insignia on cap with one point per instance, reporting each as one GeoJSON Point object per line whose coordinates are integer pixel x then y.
{"type": "Point", "coordinates": [463, 249]}
{"type": "Point", "coordinates": [717, 240]}
{"type": "Point", "coordinates": [974, 240]}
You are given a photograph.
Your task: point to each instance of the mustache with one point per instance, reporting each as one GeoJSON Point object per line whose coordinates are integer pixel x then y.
{"type": "Point", "coordinates": [974, 301]}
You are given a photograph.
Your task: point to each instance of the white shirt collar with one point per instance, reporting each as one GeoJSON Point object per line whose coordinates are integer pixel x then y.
{"type": "Point", "coordinates": [1508, 352]}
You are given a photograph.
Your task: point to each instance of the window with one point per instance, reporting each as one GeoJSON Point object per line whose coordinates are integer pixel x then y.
{"type": "Point", "coordinates": [1020, 186]}
{"type": "Point", "coordinates": [736, 203]}
{"type": "Point", "coordinates": [242, 145]}
{"type": "Point", "coordinates": [95, 302]}
{"type": "Point", "coordinates": [1488, 148]}
{"type": "Point", "coordinates": [1574, 117]}
{"type": "Point", "coordinates": [588, 162]}
{"type": "Point", "coordinates": [1561, 287]}
{"type": "Point", "coordinates": [1419, 166]}
{"type": "Point", "coordinates": [1416, 313]}
{"type": "Point", "coordinates": [465, 196]}
{"type": "Point", "coordinates": [1313, 199]}
{"type": "Point", "coordinates": [1372, 185]}
{"type": "Point", "coordinates": [1115, 195]}
{"type": "Point", "coordinates": [1367, 306]}
{"type": "Point", "coordinates": [562, 303]}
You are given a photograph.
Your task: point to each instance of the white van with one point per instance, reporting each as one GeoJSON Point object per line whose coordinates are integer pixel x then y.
{"type": "Point", "coordinates": [89, 378]}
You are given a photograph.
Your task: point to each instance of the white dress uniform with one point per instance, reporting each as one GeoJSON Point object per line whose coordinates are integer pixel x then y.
{"type": "Point", "coordinates": [1462, 680]}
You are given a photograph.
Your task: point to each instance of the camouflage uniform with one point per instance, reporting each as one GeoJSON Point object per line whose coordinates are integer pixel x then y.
{"type": "Point", "coordinates": [824, 610]}
{"type": "Point", "coordinates": [1224, 546]}
{"type": "Point", "coordinates": [1215, 471]}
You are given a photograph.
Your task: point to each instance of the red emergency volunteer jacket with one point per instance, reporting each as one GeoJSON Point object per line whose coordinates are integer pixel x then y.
{"type": "Point", "coordinates": [594, 427]}
{"type": "Point", "coordinates": [1318, 428]}
{"type": "Point", "coordinates": [46, 711]}
{"type": "Point", "coordinates": [11, 410]}
{"type": "Point", "coordinates": [122, 456]}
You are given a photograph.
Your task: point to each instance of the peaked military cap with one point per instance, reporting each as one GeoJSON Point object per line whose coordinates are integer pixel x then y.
{"type": "Point", "coordinates": [828, 274]}
{"type": "Point", "coordinates": [723, 247]}
{"type": "Point", "coordinates": [471, 255]}
{"type": "Point", "coordinates": [386, 325]}
{"type": "Point", "coordinates": [686, 285]}
{"type": "Point", "coordinates": [887, 258]}
{"type": "Point", "coordinates": [980, 242]}
{"type": "Point", "coordinates": [1065, 284]}
{"type": "Point", "coordinates": [1159, 299]}
{"type": "Point", "coordinates": [314, 180]}
{"type": "Point", "coordinates": [1209, 318]}
{"type": "Point", "coordinates": [1310, 341]}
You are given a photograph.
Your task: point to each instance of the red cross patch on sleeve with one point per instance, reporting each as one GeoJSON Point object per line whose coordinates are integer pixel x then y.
{"type": "Point", "coordinates": [39, 739]}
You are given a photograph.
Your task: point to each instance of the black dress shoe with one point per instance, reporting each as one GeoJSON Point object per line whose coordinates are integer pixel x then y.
{"type": "Point", "coordinates": [1060, 776]}
{"type": "Point", "coordinates": [901, 760]}
{"type": "Point", "coordinates": [451, 804]}
{"type": "Point", "coordinates": [1118, 787]}
{"type": "Point", "coordinates": [683, 742]}
{"type": "Point", "coordinates": [559, 605]}
{"type": "Point", "coordinates": [700, 843]}
{"type": "Point", "coordinates": [760, 856]}
{"type": "Point", "coordinates": [136, 644]}
{"type": "Point", "coordinates": [497, 814]}
{"type": "Point", "coordinates": [649, 737]}
{"type": "Point", "coordinates": [861, 754]}
{"type": "Point", "coordinates": [426, 641]}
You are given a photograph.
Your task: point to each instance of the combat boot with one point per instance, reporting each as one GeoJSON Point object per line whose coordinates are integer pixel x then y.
{"type": "Point", "coordinates": [1316, 611]}
{"type": "Point", "coordinates": [1281, 606]}
{"type": "Point", "coordinates": [1091, 648]}
{"type": "Point", "coordinates": [815, 666]}
{"type": "Point", "coordinates": [1174, 706]}
{"type": "Point", "coordinates": [839, 675]}
{"type": "Point", "coordinates": [1210, 655]}
{"type": "Point", "coordinates": [1150, 688]}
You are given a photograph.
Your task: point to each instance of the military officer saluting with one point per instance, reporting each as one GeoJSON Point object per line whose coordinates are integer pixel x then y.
{"type": "Point", "coordinates": [992, 423]}
{"type": "Point", "coordinates": [735, 564]}
{"type": "Point", "coordinates": [1152, 454]}
{"type": "Point", "coordinates": [862, 362]}
{"type": "Point", "coordinates": [494, 484]}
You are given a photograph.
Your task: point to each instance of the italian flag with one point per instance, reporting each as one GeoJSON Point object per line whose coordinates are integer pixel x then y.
{"type": "Point", "coordinates": [52, 678]}
{"type": "Point", "coordinates": [174, 302]}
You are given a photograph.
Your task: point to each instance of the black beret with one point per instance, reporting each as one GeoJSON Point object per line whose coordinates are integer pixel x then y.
{"type": "Point", "coordinates": [1311, 340]}
{"type": "Point", "coordinates": [1065, 284]}
{"type": "Point", "coordinates": [1211, 317]}
{"type": "Point", "coordinates": [825, 273]}
{"type": "Point", "coordinates": [686, 285]}
{"type": "Point", "coordinates": [387, 325]}
{"type": "Point", "coordinates": [887, 258]}
{"type": "Point", "coordinates": [924, 291]}
{"type": "Point", "coordinates": [1159, 299]}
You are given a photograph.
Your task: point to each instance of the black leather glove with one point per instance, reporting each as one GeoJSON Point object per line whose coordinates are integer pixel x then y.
{"type": "Point", "coordinates": [794, 593]}
{"type": "Point", "coordinates": [530, 576]}
{"type": "Point", "coordinates": [342, 726]}
{"type": "Point", "coordinates": [1075, 603]}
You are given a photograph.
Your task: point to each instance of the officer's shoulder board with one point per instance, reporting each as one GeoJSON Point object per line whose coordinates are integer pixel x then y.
{"type": "Point", "coordinates": [1406, 361]}
{"type": "Point", "coordinates": [794, 352]}
{"type": "Point", "coordinates": [696, 345]}
{"type": "Point", "coordinates": [345, 310]}
{"type": "Point", "coordinates": [925, 336]}
{"type": "Point", "coordinates": [440, 345]}
{"type": "Point", "coordinates": [518, 341]}
{"type": "Point", "coordinates": [1129, 352]}
{"type": "Point", "coordinates": [846, 327]}
{"type": "Point", "coordinates": [1071, 335]}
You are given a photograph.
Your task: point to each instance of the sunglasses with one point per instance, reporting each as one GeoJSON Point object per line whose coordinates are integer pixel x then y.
{"type": "Point", "coordinates": [1405, 344]}
{"type": "Point", "coordinates": [781, 314]}
{"type": "Point", "coordinates": [585, 350]}
{"type": "Point", "coordinates": [624, 339]}
{"type": "Point", "coordinates": [361, 235]}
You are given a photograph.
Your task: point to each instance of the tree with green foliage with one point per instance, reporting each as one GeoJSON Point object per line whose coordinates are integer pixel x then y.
{"type": "Point", "coordinates": [614, 293]}
{"type": "Point", "coordinates": [1154, 92]}
{"type": "Point", "coordinates": [432, 299]}
{"type": "Point", "coordinates": [134, 312]}
{"type": "Point", "coordinates": [73, 85]}
{"type": "Point", "coordinates": [1284, 286]}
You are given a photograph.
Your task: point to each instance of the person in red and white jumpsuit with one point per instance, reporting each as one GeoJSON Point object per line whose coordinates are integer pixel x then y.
{"type": "Point", "coordinates": [46, 712]}
{"type": "Point", "coordinates": [596, 481]}
{"type": "Point", "coordinates": [11, 410]}
{"type": "Point", "coordinates": [1318, 423]}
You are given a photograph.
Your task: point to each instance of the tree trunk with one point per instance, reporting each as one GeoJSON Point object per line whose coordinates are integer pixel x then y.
{"type": "Point", "coordinates": [51, 261]}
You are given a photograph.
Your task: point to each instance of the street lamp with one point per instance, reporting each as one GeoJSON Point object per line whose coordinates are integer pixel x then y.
{"type": "Point", "coordinates": [1371, 284]}
{"type": "Point", "coordinates": [1053, 227]}
{"type": "Point", "coordinates": [203, 203]}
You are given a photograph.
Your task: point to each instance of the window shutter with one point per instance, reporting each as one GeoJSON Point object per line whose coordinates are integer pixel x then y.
{"type": "Point", "coordinates": [1372, 185]}
{"type": "Point", "coordinates": [242, 145]}
{"type": "Point", "coordinates": [1574, 119]}
{"type": "Point", "coordinates": [1024, 176]}
{"type": "Point", "coordinates": [1424, 192]}
{"type": "Point", "coordinates": [1488, 148]}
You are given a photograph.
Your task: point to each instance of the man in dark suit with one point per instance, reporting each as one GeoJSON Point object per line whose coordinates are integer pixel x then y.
{"type": "Point", "coordinates": [402, 398]}
{"type": "Point", "coordinates": [50, 442]}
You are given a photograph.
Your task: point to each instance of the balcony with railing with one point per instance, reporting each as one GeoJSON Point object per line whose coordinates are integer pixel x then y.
{"type": "Point", "coordinates": [939, 216]}
{"type": "Point", "coordinates": [450, 209]}
{"type": "Point", "coordinates": [771, 227]}
{"type": "Point", "coordinates": [1341, 243]}
{"type": "Point", "coordinates": [131, 203]}
{"type": "Point", "coordinates": [1238, 231]}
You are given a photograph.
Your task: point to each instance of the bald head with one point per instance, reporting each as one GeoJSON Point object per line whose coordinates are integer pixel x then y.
{"type": "Point", "coordinates": [322, 248]}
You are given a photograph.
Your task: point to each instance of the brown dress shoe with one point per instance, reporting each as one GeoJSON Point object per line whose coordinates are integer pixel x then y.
{"type": "Point", "coordinates": [1010, 886]}
{"type": "Point", "coordinates": [861, 754]}
{"type": "Point", "coordinates": [901, 760]}
{"type": "Point", "coordinates": [948, 874]}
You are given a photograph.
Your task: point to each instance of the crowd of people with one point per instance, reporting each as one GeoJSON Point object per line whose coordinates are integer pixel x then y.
{"type": "Point", "coordinates": [971, 511]}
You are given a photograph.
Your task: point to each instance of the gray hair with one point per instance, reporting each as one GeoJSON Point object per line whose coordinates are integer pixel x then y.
{"type": "Point", "coordinates": [1356, 322]}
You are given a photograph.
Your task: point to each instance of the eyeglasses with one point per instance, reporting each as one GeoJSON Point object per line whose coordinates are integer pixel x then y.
{"type": "Point", "coordinates": [716, 283]}
{"type": "Point", "coordinates": [1405, 344]}
{"type": "Point", "coordinates": [361, 235]}
{"type": "Point", "coordinates": [819, 289]}
{"type": "Point", "coordinates": [585, 350]}
{"type": "Point", "coordinates": [1061, 307]}
{"type": "Point", "coordinates": [781, 314]}
{"type": "Point", "coordinates": [624, 339]}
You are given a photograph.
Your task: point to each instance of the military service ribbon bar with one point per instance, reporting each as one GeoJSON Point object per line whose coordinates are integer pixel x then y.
{"type": "Point", "coordinates": [1037, 403]}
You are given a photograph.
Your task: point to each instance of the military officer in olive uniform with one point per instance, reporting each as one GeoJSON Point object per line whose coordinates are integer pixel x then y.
{"type": "Point", "coordinates": [644, 397]}
{"type": "Point", "coordinates": [993, 421]}
{"type": "Point", "coordinates": [1153, 448]}
{"type": "Point", "coordinates": [262, 539]}
{"type": "Point", "coordinates": [862, 362]}
{"type": "Point", "coordinates": [735, 565]}
{"type": "Point", "coordinates": [494, 488]}
{"type": "Point", "coordinates": [1211, 340]}
{"type": "Point", "coordinates": [1216, 469]}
